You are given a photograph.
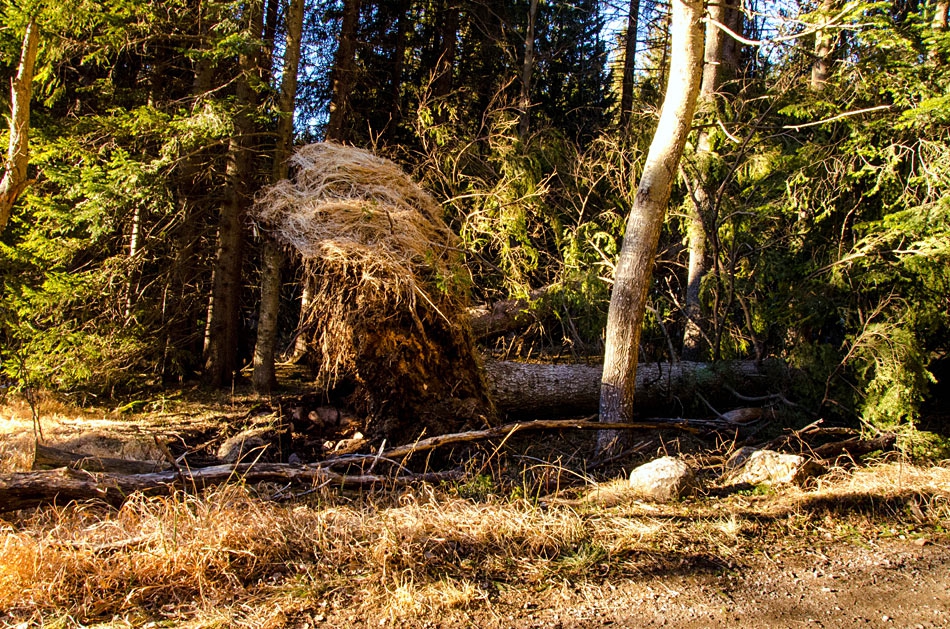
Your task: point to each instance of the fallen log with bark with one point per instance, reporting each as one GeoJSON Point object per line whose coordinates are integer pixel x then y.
{"type": "Point", "coordinates": [508, 315]}
{"type": "Point", "coordinates": [49, 458]}
{"type": "Point", "coordinates": [537, 390]}
{"type": "Point", "coordinates": [23, 490]}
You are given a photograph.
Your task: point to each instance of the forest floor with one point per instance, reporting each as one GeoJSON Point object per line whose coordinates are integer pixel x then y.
{"type": "Point", "coordinates": [868, 544]}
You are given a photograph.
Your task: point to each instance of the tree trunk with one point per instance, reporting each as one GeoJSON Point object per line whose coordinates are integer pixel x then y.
{"type": "Point", "coordinates": [301, 346]}
{"type": "Point", "coordinates": [270, 30]}
{"type": "Point", "coordinates": [940, 15]}
{"type": "Point", "coordinates": [344, 71]}
{"type": "Point", "coordinates": [18, 154]}
{"type": "Point", "coordinates": [264, 377]}
{"type": "Point", "coordinates": [629, 63]}
{"type": "Point", "coordinates": [509, 315]}
{"type": "Point", "coordinates": [523, 390]}
{"type": "Point", "coordinates": [448, 41]}
{"type": "Point", "coordinates": [824, 49]}
{"type": "Point", "coordinates": [524, 123]}
{"type": "Point", "coordinates": [48, 458]}
{"type": "Point", "coordinates": [637, 254]}
{"type": "Point", "coordinates": [717, 68]}
{"type": "Point", "coordinates": [221, 355]}
{"type": "Point", "coordinates": [396, 69]}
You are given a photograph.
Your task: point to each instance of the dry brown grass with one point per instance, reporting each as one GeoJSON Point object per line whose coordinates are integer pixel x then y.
{"type": "Point", "coordinates": [228, 558]}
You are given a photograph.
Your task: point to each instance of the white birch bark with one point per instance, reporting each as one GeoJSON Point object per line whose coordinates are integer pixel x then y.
{"type": "Point", "coordinates": [635, 265]}
{"type": "Point", "coordinates": [18, 154]}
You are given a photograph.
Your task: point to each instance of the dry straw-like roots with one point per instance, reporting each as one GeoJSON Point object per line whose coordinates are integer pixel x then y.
{"type": "Point", "coordinates": [387, 279]}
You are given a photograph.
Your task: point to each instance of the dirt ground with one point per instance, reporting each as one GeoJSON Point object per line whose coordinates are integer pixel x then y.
{"type": "Point", "coordinates": [893, 584]}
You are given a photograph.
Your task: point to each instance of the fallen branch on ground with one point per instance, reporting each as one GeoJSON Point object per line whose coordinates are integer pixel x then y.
{"type": "Point", "coordinates": [589, 423]}
{"type": "Point", "coordinates": [23, 490]}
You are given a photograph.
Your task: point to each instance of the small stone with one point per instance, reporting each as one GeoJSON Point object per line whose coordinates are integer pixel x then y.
{"type": "Point", "coordinates": [663, 480]}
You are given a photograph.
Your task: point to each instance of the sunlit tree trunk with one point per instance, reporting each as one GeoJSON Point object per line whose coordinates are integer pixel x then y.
{"type": "Point", "coordinates": [629, 63]}
{"type": "Point", "coordinates": [18, 154]}
{"type": "Point", "coordinates": [264, 377]}
{"type": "Point", "coordinates": [824, 49]}
{"type": "Point", "coordinates": [718, 67]}
{"type": "Point", "coordinates": [221, 353]}
{"type": "Point", "coordinates": [344, 71]}
{"type": "Point", "coordinates": [527, 71]}
{"type": "Point", "coordinates": [343, 78]}
{"type": "Point", "coordinates": [941, 9]}
{"type": "Point", "coordinates": [638, 252]}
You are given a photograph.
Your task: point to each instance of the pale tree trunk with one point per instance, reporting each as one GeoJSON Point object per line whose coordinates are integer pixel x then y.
{"type": "Point", "coordinates": [635, 265]}
{"type": "Point", "coordinates": [527, 71]}
{"type": "Point", "coordinates": [939, 22]}
{"type": "Point", "coordinates": [301, 347]}
{"type": "Point", "coordinates": [824, 49]}
{"type": "Point", "coordinates": [221, 356]}
{"type": "Point", "coordinates": [717, 68]}
{"type": "Point", "coordinates": [344, 70]}
{"type": "Point", "coordinates": [263, 377]}
{"type": "Point", "coordinates": [629, 63]}
{"type": "Point", "coordinates": [18, 153]}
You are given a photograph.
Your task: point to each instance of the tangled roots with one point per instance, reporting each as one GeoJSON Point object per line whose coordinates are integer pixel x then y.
{"type": "Point", "coordinates": [389, 289]}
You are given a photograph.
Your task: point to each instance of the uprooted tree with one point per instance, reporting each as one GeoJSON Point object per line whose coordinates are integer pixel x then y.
{"type": "Point", "coordinates": [387, 316]}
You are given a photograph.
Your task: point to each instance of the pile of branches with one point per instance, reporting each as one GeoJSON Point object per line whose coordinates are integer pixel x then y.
{"type": "Point", "coordinates": [389, 291]}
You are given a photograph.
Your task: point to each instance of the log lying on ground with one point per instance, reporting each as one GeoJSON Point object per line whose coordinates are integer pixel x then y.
{"type": "Point", "coordinates": [536, 390]}
{"type": "Point", "coordinates": [48, 458]}
{"type": "Point", "coordinates": [509, 315]}
{"type": "Point", "coordinates": [23, 490]}
{"type": "Point", "coordinates": [855, 446]}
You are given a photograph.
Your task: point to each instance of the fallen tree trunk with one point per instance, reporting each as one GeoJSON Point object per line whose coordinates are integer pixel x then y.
{"type": "Point", "coordinates": [535, 390]}
{"type": "Point", "coordinates": [47, 458]}
{"type": "Point", "coordinates": [23, 490]}
{"type": "Point", "coordinates": [509, 315]}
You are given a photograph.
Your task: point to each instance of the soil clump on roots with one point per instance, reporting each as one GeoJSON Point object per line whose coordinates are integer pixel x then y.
{"type": "Point", "coordinates": [389, 289]}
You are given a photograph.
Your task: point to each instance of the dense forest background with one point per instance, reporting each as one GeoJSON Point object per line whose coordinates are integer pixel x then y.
{"type": "Point", "coordinates": [810, 221]}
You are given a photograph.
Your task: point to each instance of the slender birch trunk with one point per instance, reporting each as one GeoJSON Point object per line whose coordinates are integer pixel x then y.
{"type": "Point", "coordinates": [629, 63]}
{"type": "Point", "coordinates": [264, 378]}
{"type": "Point", "coordinates": [717, 68]}
{"type": "Point", "coordinates": [18, 154]}
{"type": "Point", "coordinates": [637, 255]}
{"type": "Point", "coordinates": [527, 71]}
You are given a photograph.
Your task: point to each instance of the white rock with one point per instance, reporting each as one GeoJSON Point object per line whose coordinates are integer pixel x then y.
{"type": "Point", "coordinates": [240, 445]}
{"type": "Point", "coordinates": [664, 479]}
{"type": "Point", "coordinates": [770, 468]}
